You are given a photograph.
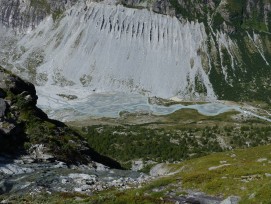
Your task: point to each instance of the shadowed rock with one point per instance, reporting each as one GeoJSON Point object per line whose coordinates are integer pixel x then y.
{"type": "Point", "coordinates": [24, 127]}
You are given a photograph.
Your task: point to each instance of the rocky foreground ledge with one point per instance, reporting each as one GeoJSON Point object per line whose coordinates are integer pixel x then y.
{"type": "Point", "coordinates": [40, 156]}
{"type": "Point", "coordinates": [23, 176]}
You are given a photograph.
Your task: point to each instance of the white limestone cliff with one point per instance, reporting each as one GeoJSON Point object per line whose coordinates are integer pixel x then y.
{"type": "Point", "coordinates": [112, 48]}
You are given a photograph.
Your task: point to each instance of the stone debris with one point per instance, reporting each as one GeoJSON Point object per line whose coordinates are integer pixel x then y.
{"type": "Point", "coordinates": [38, 152]}
{"type": "Point", "coordinates": [231, 200]}
{"type": "Point", "coordinates": [137, 165]}
{"type": "Point", "coordinates": [217, 167]}
{"type": "Point", "coordinates": [251, 178]}
{"type": "Point", "coordinates": [28, 176]}
{"type": "Point", "coordinates": [261, 159]}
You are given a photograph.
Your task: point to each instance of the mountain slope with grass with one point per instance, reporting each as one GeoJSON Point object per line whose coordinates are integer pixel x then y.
{"type": "Point", "coordinates": [241, 173]}
{"type": "Point", "coordinates": [238, 176]}
{"type": "Point", "coordinates": [189, 50]}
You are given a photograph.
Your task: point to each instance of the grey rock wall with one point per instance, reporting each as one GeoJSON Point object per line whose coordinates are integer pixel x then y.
{"type": "Point", "coordinates": [23, 15]}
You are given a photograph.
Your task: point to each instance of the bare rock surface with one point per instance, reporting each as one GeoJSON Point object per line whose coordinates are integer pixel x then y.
{"type": "Point", "coordinates": [159, 170]}
{"type": "Point", "coordinates": [18, 176]}
{"type": "Point", "coordinates": [3, 107]}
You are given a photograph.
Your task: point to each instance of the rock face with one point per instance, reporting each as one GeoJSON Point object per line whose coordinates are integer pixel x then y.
{"type": "Point", "coordinates": [159, 55]}
{"type": "Point", "coordinates": [159, 170]}
{"type": "Point", "coordinates": [39, 152]}
{"type": "Point", "coordinates": [26, 15]}
{"type": "Point", "coordinates": [3, 107]}
{"type": "Point", "coordinates": [231, 200]}
{"type": "Point", "coordinates": [25, 128]}
{"type": "Point", "coordinates": [11, 130]}
{"type": "Point", "coordinates": [195, 51]}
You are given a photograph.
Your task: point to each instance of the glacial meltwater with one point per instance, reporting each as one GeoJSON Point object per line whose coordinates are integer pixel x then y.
{"type": "Point", "coordinates": [112, 104]}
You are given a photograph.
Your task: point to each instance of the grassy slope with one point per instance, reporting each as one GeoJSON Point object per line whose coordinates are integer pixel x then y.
{"type": "Point", "coordinates": [195, 175]}
{"type": "Point", "coordinates": [245, 177]}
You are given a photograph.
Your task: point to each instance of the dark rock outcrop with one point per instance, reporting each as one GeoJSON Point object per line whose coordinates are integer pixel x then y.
{"type": "Point", "coordinates": [3, 107]}
{"type": "Point", "coordinates": [26, 128]}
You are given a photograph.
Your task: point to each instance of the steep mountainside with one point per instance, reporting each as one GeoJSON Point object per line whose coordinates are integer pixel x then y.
{"type": "Point", "coordinates": [196, 50]}
{"type": "Point", "coordinates": [26, 15]}
{"type": "Point", "coordinates": [239, 41]}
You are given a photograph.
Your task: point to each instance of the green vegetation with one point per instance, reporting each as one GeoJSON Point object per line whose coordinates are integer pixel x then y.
{"type": "Point", "coordinates": [199, 85]}
{"type": "Point", "coordinates": [182, 135]}
{"type": "Point", "coordinates": [236, 11]}
{"type": "Point", "coordinates": [40, 130]}
{"type": "Point", "coordinates": [248, 79]}
{"type": "Point", "coordinates": [45, 6]}
{"type": "Point", "coordinates": [255, 22]}
{"type": "Point", "coordinates": [57, 14]}
{"type": "Point", "coordinates": [244, 173]}
{"type": "Point", "coordinates": [41, 4]}
{"type": "Point", "coordinates": [32, 62]}
{"type": "Point", "coordinates": [245, 61]}
{"type": "Point", "coordinates": [193, 116]}
{"type": "Point", "coordinates": [111, 197]}
{"type": "Point", "coordinates": [247, 173]}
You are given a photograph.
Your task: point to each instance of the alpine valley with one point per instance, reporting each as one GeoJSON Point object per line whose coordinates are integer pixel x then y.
{"type": "Point", "coordinates": [160, 101]}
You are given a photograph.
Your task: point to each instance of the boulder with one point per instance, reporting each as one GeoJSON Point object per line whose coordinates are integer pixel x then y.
{"type": "Point", "coordinates": [137, 165]}
{"type": "Point", "coordinates": [11, 169]}
{"type": "Point", "coordinates": [159, 170]}
{"type": "Point", "coordinates": [231, 200]}
{"type": "Point", "coordinates": [39, 152]}
{"type": "Point", "coordinates": [83, 179]}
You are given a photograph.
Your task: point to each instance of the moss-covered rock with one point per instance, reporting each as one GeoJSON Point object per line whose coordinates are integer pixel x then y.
{"type": "Point", "coordinates": [23, 126]}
